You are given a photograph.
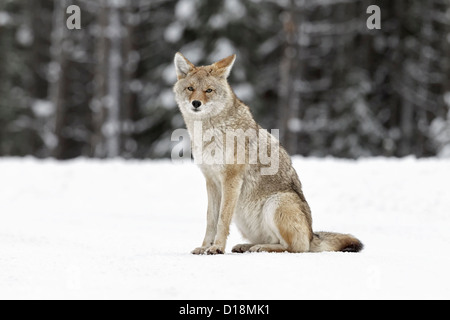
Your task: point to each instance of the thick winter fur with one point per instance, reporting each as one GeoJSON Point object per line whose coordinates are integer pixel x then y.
{"type": "Point", "coordinates": [269, 210]}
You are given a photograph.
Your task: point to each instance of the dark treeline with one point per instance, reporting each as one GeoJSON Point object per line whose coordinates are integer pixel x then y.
{"type": "Point", "coordinates": [310, 68]}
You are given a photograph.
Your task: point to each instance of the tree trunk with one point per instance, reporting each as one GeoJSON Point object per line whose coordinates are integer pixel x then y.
{"type": "Point", "coordinates": [286, 88]}
{"type": "Point", "coordinates": [58, 85]}
{"type": "Point", "coordinates": [130, 82]}
{"type": "Point", "coordinates": [106, 105]}
{"type": "Point", "coordinates": [98, 148]}
{"type": "Point", "coordinates": [112, 127]}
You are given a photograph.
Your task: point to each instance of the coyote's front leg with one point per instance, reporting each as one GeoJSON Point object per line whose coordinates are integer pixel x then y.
{"type": "Point", "coordinates": [231, 188]}
{"type": "Point", "coordinates": [214, 199]}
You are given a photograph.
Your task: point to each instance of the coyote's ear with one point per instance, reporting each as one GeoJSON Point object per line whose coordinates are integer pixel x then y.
{"type": "Point", "coordinates": [224, 66]}
{"type": "Point", "coordinates": [182, 65]}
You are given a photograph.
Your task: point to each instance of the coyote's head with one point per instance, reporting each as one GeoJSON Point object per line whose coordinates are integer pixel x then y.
{"type": "Point", "coordinates": [203, 92]}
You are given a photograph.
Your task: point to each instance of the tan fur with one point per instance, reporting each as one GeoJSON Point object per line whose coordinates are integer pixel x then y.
{"type": "Point", "coordinates": [293, 223]}
{"type": "Point", "coordinates": [269, 210]}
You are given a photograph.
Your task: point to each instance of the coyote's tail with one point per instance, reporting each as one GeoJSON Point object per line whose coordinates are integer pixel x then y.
{"type": "Point", "coordinates": [329, 241]}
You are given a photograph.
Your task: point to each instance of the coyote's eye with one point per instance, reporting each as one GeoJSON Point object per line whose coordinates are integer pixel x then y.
{"type": "Point", "coordinates": [209, 91]}
{"type": "Point", "coordinates": [190, 89]}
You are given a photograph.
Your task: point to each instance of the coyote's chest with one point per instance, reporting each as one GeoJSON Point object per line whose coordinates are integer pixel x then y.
{"type": "Point", "coordinates": [208, 146]}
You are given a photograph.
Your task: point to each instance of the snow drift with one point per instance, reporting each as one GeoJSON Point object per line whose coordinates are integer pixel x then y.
{"type": "Point", "coordinates": [124, 229]}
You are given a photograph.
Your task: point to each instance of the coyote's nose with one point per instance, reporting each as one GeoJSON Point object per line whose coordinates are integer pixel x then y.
{"type": "Point", "coordinates": [196, 104]}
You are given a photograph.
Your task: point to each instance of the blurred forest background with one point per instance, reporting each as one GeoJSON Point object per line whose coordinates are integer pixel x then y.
{"type": "Point", "coordinates": [310, 68]}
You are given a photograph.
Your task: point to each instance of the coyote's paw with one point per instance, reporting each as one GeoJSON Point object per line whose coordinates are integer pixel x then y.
{"type": "Point", "coordinates": [215, 250]}
{"type": "Point", "coordinates": [241, 248]}
{"type": "Point", "coordinates": [200, 250]}
{"type": "Point", "coordinates": [257, 248]}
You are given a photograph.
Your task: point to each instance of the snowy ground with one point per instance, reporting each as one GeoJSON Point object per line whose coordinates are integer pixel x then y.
{"type": "Point", "coordinates": [116, 229]}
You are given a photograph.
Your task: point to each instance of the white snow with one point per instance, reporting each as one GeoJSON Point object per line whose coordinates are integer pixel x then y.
{"type": "Point", "coordinates": [43, 108]}
{"type": "Point", "coordinates": [218, 21]}
{"type": "Point", "coordinates": [124, 229]}
{"type": "Point", "coordinates": [235, 9]}
{"type": "Point", "coordinates": [168, 74]}
{"type": "Point", "coordinates": [244, 91]}
{"type": "Point", "coordinates": [167, 99]}
{"type": "Point", "coordinates": [294, 125]}
{"type": "Point", "coordinates": [194, 51]}
{"type": "Point", "coordinates": [186, 10]}
{"type": "Point", "coordinates": [24, 35]}
{"type": "Point", "coordinates": [5, 18]}
{"type": "Point", "coordinates": [223, 49]}
{"type": "Point", "coordinates": [447, 99]}
{"type": "Point", "coordinates": [174, 32]}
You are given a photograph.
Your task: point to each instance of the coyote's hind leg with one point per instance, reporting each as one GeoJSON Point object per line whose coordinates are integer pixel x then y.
{"type": "Point", "coordinates": [290, 220]}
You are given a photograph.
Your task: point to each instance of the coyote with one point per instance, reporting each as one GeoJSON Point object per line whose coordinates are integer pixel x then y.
{"type": "Point", "coordinates": [270, 210]}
